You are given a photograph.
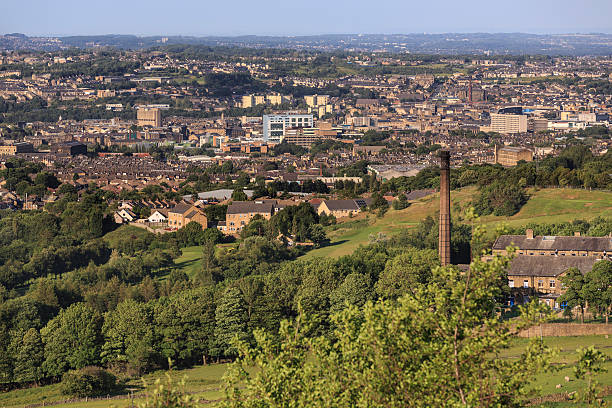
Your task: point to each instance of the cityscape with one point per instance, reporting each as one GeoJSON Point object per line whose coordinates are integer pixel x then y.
{"type": "Point", "coordinates": [321, 220]}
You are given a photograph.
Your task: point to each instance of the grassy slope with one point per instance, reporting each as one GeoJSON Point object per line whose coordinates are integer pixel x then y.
{"type": "Point", "coordinates": [190, 261]}
{"type": "Point", "coordinates": [545, 206]}
{"type": "Point", "coordinates": [123, 231]}
{"type": "Point", "coordinates": [205, 381]}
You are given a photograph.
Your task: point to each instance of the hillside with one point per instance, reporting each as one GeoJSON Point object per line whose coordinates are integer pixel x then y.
{"type": "Point", "coordinates": [544, 206]}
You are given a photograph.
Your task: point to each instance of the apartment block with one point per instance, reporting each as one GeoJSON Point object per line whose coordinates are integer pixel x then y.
{"type": "Point", "coordinates": [508, 124]}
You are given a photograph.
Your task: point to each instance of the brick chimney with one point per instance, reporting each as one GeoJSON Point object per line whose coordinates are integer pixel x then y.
{"type": "Point", "coordinates": [529, 233]}
{"type": "Point", "coordinates": [445, 227]}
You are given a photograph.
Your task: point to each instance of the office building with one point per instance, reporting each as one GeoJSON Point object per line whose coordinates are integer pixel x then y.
{"type": "Point", "coordinates": [149, 117]}
{"type": "Point", "coordinates": [275, 126]}
{"type": "Point", "coordinates": [508, 124]}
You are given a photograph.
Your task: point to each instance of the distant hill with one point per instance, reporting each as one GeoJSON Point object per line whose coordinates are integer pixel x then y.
{"type": "Point", "coordinates": [451, 43]}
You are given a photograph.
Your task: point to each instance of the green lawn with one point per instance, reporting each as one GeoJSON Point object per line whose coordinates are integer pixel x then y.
{"type": "Point", "coordinates": [205, 382]}
{"type": "Point", "coordinates": [544, 206]}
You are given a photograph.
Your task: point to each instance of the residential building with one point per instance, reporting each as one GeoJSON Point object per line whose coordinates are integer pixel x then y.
{"type": "Point", "coordinates": [342, 208]}
{"type": "Point", "coordinates": [184, 213]}
{"type": "Point", "coordinates": [240, 213]}
{"type": "Point", "coordinates": [541, 262]}
{"type": "Point", "coordinates": [508, 124]}
{"type": "Point", "coordinates": [316, 100]}
{"type": "Point", "coordinates": [157, 217]}
{"type": "Point", "coordinates": [573, 246]}
{"type": "Point", "coordinates": [275, 126]}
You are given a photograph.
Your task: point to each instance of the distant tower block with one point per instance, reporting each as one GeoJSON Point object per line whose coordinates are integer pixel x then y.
{"type": "Point", "coordinates": [444, 239]}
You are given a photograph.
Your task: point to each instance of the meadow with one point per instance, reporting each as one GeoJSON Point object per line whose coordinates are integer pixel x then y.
{"type": "Point", "coordinates": [544, 206]}
{"type": "Point", "coordinates": [205, 382]}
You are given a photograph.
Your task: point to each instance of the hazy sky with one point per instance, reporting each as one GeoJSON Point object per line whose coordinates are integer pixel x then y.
{"type": "Point", "coordinates": [290, 17]}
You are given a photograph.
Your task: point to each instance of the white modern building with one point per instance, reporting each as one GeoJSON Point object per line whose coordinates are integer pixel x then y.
{"type": "Point", "coordinates": [274, 126]}
{"type": "Point", "coordinates": [508, 124]}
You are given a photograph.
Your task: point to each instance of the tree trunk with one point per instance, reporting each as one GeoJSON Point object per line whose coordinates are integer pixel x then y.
{"type": "Point", "coordinates": [581, 314]}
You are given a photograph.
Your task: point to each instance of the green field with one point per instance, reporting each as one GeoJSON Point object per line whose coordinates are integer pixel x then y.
{"type": "Point", "coordinates": [202, 381]}
{"type": "Point", "coordinates": [190, 261]}
{"type": "Point", "coordinates": [205, 382]}
{"type": "Point", "coordinates": [544, 206]}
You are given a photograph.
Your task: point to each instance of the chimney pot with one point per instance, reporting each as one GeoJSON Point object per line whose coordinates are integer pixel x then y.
{"type": "Point", "coordinates": [529, 233]}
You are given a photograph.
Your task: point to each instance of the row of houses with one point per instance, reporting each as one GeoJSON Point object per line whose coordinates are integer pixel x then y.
{"type": "Point", "coordinates": [541, 262]}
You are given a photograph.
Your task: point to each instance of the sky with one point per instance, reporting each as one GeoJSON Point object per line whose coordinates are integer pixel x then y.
{"type": "Point", "coordinates": [304, 17]}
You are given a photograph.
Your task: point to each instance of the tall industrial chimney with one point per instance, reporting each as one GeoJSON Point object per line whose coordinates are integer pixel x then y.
{"type": "Point", "coordinates": [445, 232]}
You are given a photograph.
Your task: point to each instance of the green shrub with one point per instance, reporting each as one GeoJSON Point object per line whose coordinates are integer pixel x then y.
{"type": "Point", "coordinates": [88, 382]}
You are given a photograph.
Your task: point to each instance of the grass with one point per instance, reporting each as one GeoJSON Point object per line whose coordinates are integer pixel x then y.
{"type": "Point", "coordinates": [205, 382]}
{"type": "Point", "coordinates": [202, 381]}
{"type": "Point", "coordinates": [125, 230]}
{"type": "Point", "coordinates": [190, 261]}
{"type": "Point", "coordinates": [564, 361]}
{"type": "Point", "coordinates": [544, 206]}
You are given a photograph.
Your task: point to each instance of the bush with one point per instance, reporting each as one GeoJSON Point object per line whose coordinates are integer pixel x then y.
{"type": "Point", "coordinates": [88, 382]}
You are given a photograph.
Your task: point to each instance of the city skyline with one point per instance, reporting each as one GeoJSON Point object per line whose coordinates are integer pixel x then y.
{"type": "Point", "coordinates": [192, 18]}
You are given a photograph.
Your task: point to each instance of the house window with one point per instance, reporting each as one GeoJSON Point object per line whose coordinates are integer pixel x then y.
{"type": "Point", "coordinates": [525, 283]}
{"type": "Point", "coordinates": [540, 283]}
{"type": "Point", "coordinates": [511, 283]}
{"type": "Point", "coordinates": [552, 283]}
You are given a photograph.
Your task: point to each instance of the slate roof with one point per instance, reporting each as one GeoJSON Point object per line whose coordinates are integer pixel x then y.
{"type": "Point", "coordinates": [551, 266]}
{"type": "Point", "coordinates": [244, 207]}
{"type": "Point", "coordinates": [551, 243]}
{"type": "Point", "coordinates": [181, 208]}
{"type": "Point", "coordinates": [416, 194]}
{"type": "Point", "coordinates": [341, 205]}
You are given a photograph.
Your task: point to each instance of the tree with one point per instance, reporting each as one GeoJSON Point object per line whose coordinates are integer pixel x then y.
{"type": "Point", "coordinates": [574, 296]}
{"type": "Point", "coordinates": [88, 382]}
{"type": "Point", "coordinates": [239, 195]}
{"type": "Point", "coordinates": [378, 201]}
{"type": "Point", "coordinates": [128, 337]}
{"type": "Point", "coordinates": [597, 288]}
{"type": "Point", "coordinates": [405, 272]}
{"type": "Point", "coordinates": [230, 321]}
{"type": "Point", "coordinates": [185, 326]}
{"type": "Point", "coordinates": [29, 358]}
{"type": "Point", "coordinates": [590, 362]}
{"type": "Point", "coordinates": [437, 347]}
{"type": "Point", "coordinates": [356, 289]}
{"type": "Point", "coordinates": [72, 340]}
{"type": "Point", "coordinates": [317, 234]}
{"type": "Point", "coordinates": [401, 202]}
